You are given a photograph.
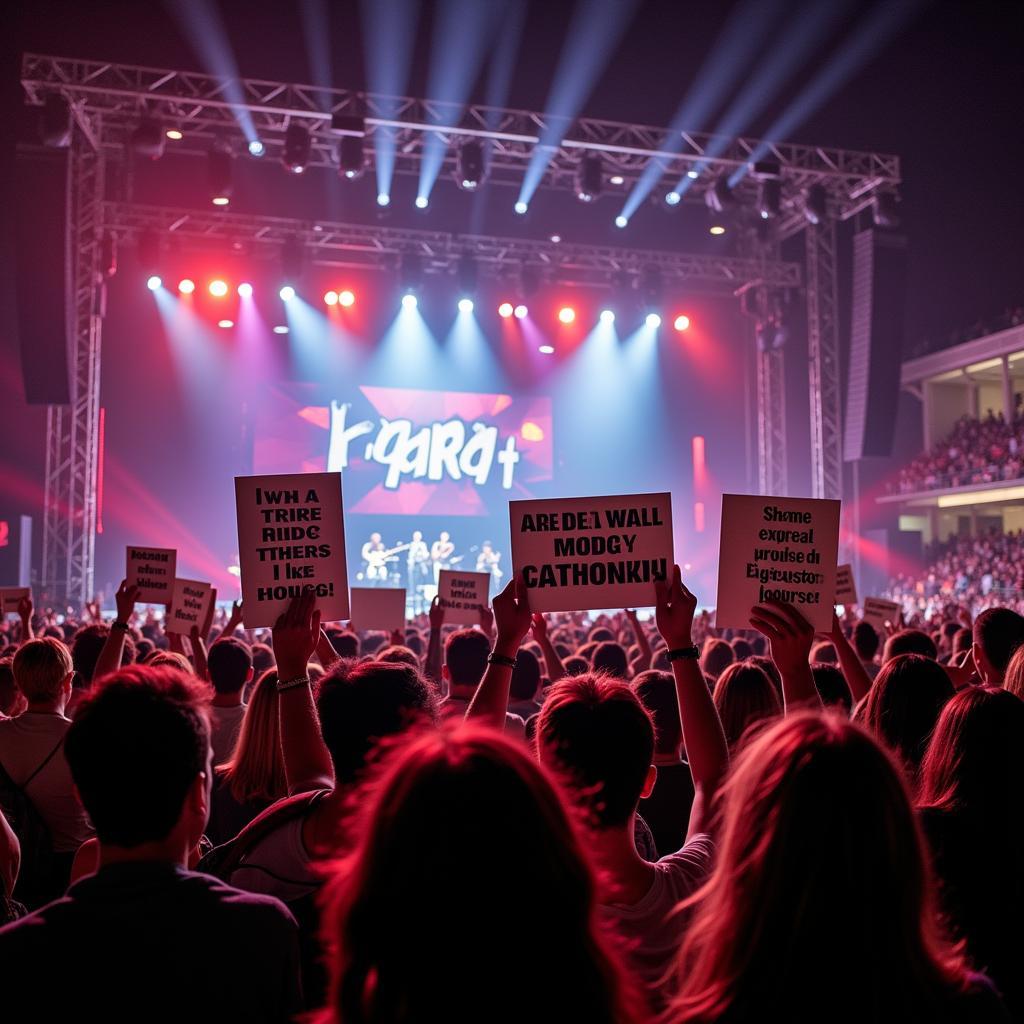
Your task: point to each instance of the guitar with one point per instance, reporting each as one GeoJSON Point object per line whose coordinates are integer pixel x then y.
{"type": "Point", "coordinates": [377, 561]}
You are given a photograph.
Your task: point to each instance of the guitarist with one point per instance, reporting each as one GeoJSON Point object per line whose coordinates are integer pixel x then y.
{"type": "Point", "coordinates": [441, 552]}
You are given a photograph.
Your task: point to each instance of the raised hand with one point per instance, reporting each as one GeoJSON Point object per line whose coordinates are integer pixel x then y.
{"type": "Point", "coordinates": [539, 625]}
{"type": "Point", "coordinates": [125, 599]}
{"type": "Point", "coordinates": [25, 608]}
{"type": "Point", "coordinates": [295, 635]}
{"type": "Point", "coordinates": [789, 634]}
{"type": "Point", "coordinates": [436, 614]}
{"type": "Point", "coordinates": [235, 620]}
{"type": "Point", "coordinates": [674, 610]}
{"type": "Point", "coordinates": [486, 619]}
{"type": "Point", "coordinates": [512, 617]}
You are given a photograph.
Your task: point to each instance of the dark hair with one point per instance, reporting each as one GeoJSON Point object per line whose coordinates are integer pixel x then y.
{"type": "Point", "coordinates": [465, 654]}
{"type": "Point", "coordinates": [574, 665]}
{"type": "Point", "coordinates": [904, 703]}
{"type": "Point", "coordinates": [230, 664]}
{"type": "Point", "coordinates": [344, 642]}
{"type": "Point", "coordinates": [657, 693]}
{"type": "Point", "coordinates": [909, 641]}
{"type": "Point", "coordinates": [865, 640]}
{"type": "Point", "coordinates": [359, 705]}
{"type": "Point", "coordinates": [825, 653]}
{"type": "Point", "coordinates": [770, 669]}
{"type": "Point", "coordinates": [830, 683]}
{"type": "Point", "coordinates": [999, 632]}
{"type": "Point", "coordinates": [962, 640]}
{"type": "Point", "coordinates": [744, 697]}
{"type": "Point", "coordinates": [525, 676]}
{"type": "Point", "coordinates": [135, 747]}
{"type": "Point", "coordinates": [599, 635]}
{"type": "Point", "coordinates": [716, 657]}
{"type": "Point", "coordinates": [596, 735]}
{"type": "Point", "coordinates": [85, 650]}
{"type": "Point", "coordinates": [610, 657]}
{"type": "Point", "coordinates": [262, 659]}
{"type": "Point", "coordinates": [741, 649]}
{"type": "Point", "coordinates": [143, 648]}
{"type": "Point", "coordinates": [8, 687]}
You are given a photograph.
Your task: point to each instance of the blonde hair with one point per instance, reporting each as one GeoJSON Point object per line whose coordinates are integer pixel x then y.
{"type": "Point", "coordinates": [40, 668]}
{"type": "Point", "coordinates": [256, 768]}
{"type": "Point", "coordinates": [172, 659]}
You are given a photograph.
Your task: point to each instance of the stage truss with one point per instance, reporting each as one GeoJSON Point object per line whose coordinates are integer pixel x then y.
{"type": "Point", "coordinates": [108, 99]}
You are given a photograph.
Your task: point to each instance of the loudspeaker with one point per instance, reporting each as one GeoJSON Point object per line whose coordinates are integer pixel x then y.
{"type": "Point", "coordinates": [876, 342]}
{"type": "Point", "coordinates": [42, 274]}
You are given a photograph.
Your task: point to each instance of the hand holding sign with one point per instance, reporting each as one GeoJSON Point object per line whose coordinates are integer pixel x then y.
{"type": "Point", "coordinates": [25, 607]}
{"type": "Point", "coordinates": [789, 634]}
{"type": "Point", "coordinates": [295, 635]}
{"type": "Point", "coordinates": [512, 617]}
{"type": "Point", "coordinates": [674, 611]}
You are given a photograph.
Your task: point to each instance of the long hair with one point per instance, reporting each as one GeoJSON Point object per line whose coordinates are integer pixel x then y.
{"type": "Point", "coordinates": [744, 696]}
{"type": "Point", "coordinates": [820, 906]}
{"type": "Point", "coordinates": [256, 768]}
{"type": "Point", "coordinates": [465, 865]}
{"type": "Point", "coordinates": [1014, 678]}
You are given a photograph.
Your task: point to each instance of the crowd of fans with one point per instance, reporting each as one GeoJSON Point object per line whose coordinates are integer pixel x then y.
{"type": "Point", "coordinates": [545, 818]}
{"type": "Point", "coordinates": [1011, 316]}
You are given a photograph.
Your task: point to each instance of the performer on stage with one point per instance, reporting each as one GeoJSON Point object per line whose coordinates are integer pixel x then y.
{"type": "Point", "coordinates": [375, 564]}
{"type": "Point", "coordinates": [418, 572]}
{"type": "Point", "coordinates": [487, 561]}
{"type": "Point", "coordinates": [441, 552]}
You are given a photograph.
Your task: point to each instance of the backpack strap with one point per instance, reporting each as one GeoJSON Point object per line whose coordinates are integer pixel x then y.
{"type": "Point", "coordinates": [46, 760]}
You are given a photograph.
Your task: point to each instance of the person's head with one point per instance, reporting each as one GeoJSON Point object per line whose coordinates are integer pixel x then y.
{"type": "Point", "coordinates": [256, 768]}
{"type": "Point", "coordinates": [998, 632]}
{"type": "Point", "coordinates": [962, 641]}
{"type": "Point", "coordinates": [171, 659]}
{"type": "Point", "coordinates": [865, 641]}
{"type": "Point", "coordinates": [465, 657]}
{"type": "Point", "coordinates": [770, 669]}
{"type": "Point", "coordinates": [360, 705]}
{"type": "Point", "coordinates": [909, 641]}
{"type": "Point", "coordinates": [445, 537]}
{"type": "Point", "coordinates": [741, 649]}
{"type": "Point", "coordinates": [345, 643]}
{"type": "Point", "coordinates": [1013, 679]}
{"type": "Point", "coordinates": [86, 645]}
{"type": "Point", "coordinates": [526, 677]}
{"type": "Point", "coordinates": [486, 547]}
{"type": "Point", "coordinates": [821, 859]}
{"type": "Point", "coordinates": [43, 669]}
{"type": "Point", "coordinates": [230, 664]}
{"type": "Point", "coordinates": [830, 683]}
{"type": "Point", "coordinates": [610, 657]}
{"type": "Point", "coordinates": [574, 665]}
{"type": "Point", "coordinates": [452, 818]}
{"type": "Point", "coordinates": [139, 754]}
{"type": "Point", "coordinates": [598, 740]}
{"type": "Point", "coordinates": [398, 652]}
{"type": "Point", "coordinates": [745, 697]}
{"type": "Point", "coordinates": [375, 538]}
{"type": "Point", "coordinates": [262, 659]}
{"type": "Point", "coordinates": [657, 693]}
{"type": "Point", "coordinates": [417, 536]}
{"type": "Point", "coordinates": [824, 651]}
{"type": "Point", "coordinates": [716, 657]}
{"type": "Point", "coordinates": [904, 703]}
{"type": "Point", "coordinates": [143, 648]}
{"type": "Point", "coordinates": [599, 635]}
{"type": "Point", "coordinates": [12, 700]}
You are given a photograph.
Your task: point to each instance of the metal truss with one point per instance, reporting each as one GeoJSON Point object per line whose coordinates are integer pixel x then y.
{"type": "Point", "coordinates": [109, 99]}
{"type": "Point", "coordinates": [772, 449]}
{"type": "Point", "coordinates": [72, 445]}
{"type": "Point", "coordinates": [823, 362]}
{"type": "Point", "coordinates": [364, 246]}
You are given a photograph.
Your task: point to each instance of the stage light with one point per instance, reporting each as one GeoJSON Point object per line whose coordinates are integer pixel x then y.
{"type": "Point", "coordinates": [245, 290]}
{"type": "Point", "coordinates": [225, 323]}
{"type": "Point", "coordinates": [220, 166]}
{"type": "Point", "coordinates": [174, 134]}
{"type": "Point", "coordinates": [469, 169]}
{"type": "Point", "coordinates": [351, 159]}
{"type": "Point", "coordinates": [218, 288]}
{"type": "Point", "coordinates": [331, 298]}
{"type": "Point", "coordinates": [672, 198]}
{"type": "Point", "coordinates": [465, 305]}
{"type": "Point", "coordinates": [556, 239]}
{"type": "Point", "coordinates": [287, 293]}
{"type": "Point", "coordinates": [409, 301]}
{"type": "Point", "coordinates": [681, 322]}
{"type": "Point", "coordinates": [505, 310]}
{"type": "Point", "coordinates": [256, 148]}
{"type": "Point", "coordinates": [720, 195]}
{"type": "Point", "coordinates": [521, 207]}
{"type": "Point", "coordinates": [346, 298]}
{"type": "Point", "coordinates": [55, 122]}
{"type": "Point", "coordinates": [521, 312]}
{"type": "Point", "coordinates": [716, 229]}
{"type": "Point", "coordinates": [220, 200]}
{"type": "Point", "coordinates": [693, 174]}
{"type": "Point", "coordinates": [589, 178]}
{"type": "Point", "coordinates": [422, 202]}
{"type": "Point", "coordinates": [653, 320]}
{"type": "Point", "coordinates": [186, 286]}
{"type": "Point", "coordinates": [621, 221]}
{"type": "Point", "coordinates": [297, 146]}
{"type": "Point", "coordinates": [383, 199]}
{"type": "Point", "coordinates": [567, 314]}
{"type": "Point", "coordinates": [816, 204]}
{"type": "Point", "coordinates": [148, 138]}
{"type": "Point", "coordinates": [769, 198]}
{"type": "Point", "coordinates": [616, 179]}
{"type": "Point", "coordinates": [154, 283]}
{"type": "Point", "coordinates": [280, 329]}
{"type": "Point", "coordinates": [546, 350]}
{"type": "Point", "coordinates": [607, 316]}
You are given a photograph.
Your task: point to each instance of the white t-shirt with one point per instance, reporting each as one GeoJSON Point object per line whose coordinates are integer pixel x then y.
{"type": "Point", "coordinates": [25, 742]}
{"type": "Point", "coordinates": [279, 865]}
{"type": "Point", "coordinates": [224, 726]}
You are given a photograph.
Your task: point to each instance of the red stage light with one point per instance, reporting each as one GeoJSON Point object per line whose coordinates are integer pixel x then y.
{"type": "Point", "coordinates": [331, 298]}
{"type": "Point", "coordinates": [347, 298]}
{"type": "Point", "coordinates": [567, 314]}
{"type": "Point", "coordinates": [682, 322]}
{"type": "Point", "coordinates": [186, 286]}
{"type": "Point", "coordinates": [505, 310]}
{"type": "Point", "coordinates": [218, 288]}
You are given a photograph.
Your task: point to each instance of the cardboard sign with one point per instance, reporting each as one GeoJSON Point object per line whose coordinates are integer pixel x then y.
{"type": "Point", "coordinates": [291, 538]}
{"type": "Point", "coordinates": [10, 597]}
{"type": "Point", "coordinates": [781, 549]}
{"type": "Point", "coordinates": [577, 554]}
{"type": "Point", "coordinates": [189, 606]}
{"type": "Point", "coordinates": [846, 588]}
{"type": "Point", "coordinates": [378, 608]}
{"type": "Point", "coordinates": [152, 571]}
{"type": "Point", "coordinates": [461, 595]}
{"type": "Point", "coordinates": [878, 611]}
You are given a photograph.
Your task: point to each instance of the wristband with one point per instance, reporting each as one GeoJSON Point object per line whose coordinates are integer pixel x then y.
{"type": "Point", "coordinates": [500, 659]}
{"type": "Point", "coordinates": [120, 624]}
{"type": "Point", "coordinates": [684, 652]}
{"type": "Point", "coordinates": [291, 684]}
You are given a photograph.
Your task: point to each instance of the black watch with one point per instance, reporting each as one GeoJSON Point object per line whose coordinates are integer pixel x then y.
{"type": "Point", "coordinates": [684, 652]}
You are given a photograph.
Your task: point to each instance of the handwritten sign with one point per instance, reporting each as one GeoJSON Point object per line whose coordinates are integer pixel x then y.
{"type": "Point", "coordinates": [291, 538]}
{"type": "Point", "coordinates": [152, 571]}
{"type": "Point", "coordinates": [781, 549]}
{"type": "Point", "coordinates": [461, 595]}
{"type": "Point", "coordinates": [189, 606]}
{"type": "Point", "coordinates": [878, 611]}
{"type": "Point", "coordinates": [846, 588]}
{"type": "Point", "coordinates": [10, 598]}
{"type": "Point", "coordinates": [577, 554]}
{"type": "Point", "coordinates": [378, 608]}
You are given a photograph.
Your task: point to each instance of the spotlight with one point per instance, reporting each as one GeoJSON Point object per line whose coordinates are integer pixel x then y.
{"type": "Point", "coordinates": [616, 179]}
{"type": "Point", "coordinates": [556, 239]}
{"type": "Point", "coordinates": [422, 202]}
{"type": "Point", "coordinates": [521, 312]}
{"type": "Point", "coordinates": [297, 147]}
{"type": "Point", "coordinates": [186, 286]}
{"type": "Point", "coordinates": [331, 298]}
{"type": "Point", "coordinates": [521, 207]}
{"type": "Point", "coordinates": [607, 316]}
{"type": "Point", "coordinates": [409, 301]}
{"type": "Point", "coordinates": [716, 229]}
{"type": "Point", "coordinates": [693, 174]}
{"type": "Point", "coordinates": [225, 323]}
{"type": "Point", "coordinates": [505, 310]}
{"type": "Point", "coordinates": [351, 159]}
{"type": "Point", "coordinates": [245, 290]}
{"type": "Point", "coordinates": [769, 199]}
{"type": "Point", "coordinates": [589, 178]}
{"type": "Point", "coordinates": [672, 198]}
{"type": "Point", "coordinates": [546, 350]}
{"type": "Point", "coordinates": [383, 199]}
{"type": "Point", "coordinates": [219, 174]}
{"type": "Point", "coordinates": [220, 200]}
{"type": "Point", "coordinates": [681, 322]}
{"type": "Point", "coordinates": [567, 314]}
{"type": "Point", "coordinates": [154, 283]}
{"type": "Point", "coordinates": [465, 305]}
{"type": "Point", "coordinates": [174, 134]}
{"type": "Point", "coordinates": [55, 122]}
{"type": "Point", "coordinates": [621, 221]}
{"type": "Point", "coordinates": [280, 329]}
{"type": "Point", "coordinates": [469, 169]}
{"type": "Point", "coordinates": [256, 148]}
{"type": "Point", "coordinates": [346, 298]}
{"type": "Point", "coordinates": [287, 293]}
{"type": "Point", "coordinates": [653, 320]}
{"type": "Point", "coordinates": [218, 288]}
{"type": "Point", "coordinates": [148, 138]}
{"type": "Point", "coordinates": [816, 204]}
{"type": "Point", "coordinates": [720, 195]}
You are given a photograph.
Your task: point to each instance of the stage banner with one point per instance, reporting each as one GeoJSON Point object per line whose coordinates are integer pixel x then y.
{"type": "Point", "coordinates": [10, 598]}
{"type": "Point", "coordinates": [781, 549]}
{"type": "Point", "coordinates": [462, 594]}
{"type": "Point", "coordinates": [581, 554]}
{"type": "Point", "coordinates": [878, 611]}
{"type": "Point", "coordinates": [846, 588]}
{"type": "Point", "coordinates": [190, 606]}
{"type": "Point", "coordinates": [378, 608]}
{"type": "Point", "coordinates": [152, 571]}
{"type": "Point", "coordinates": [291, 538]}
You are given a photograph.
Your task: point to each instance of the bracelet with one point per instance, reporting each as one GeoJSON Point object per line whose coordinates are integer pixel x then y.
{"type": "Point", "coordinates": [684, 652]}
{"type": "Point", "coordinates": [291, 684]}
{"type": "Point", "coordinates": [500, 659]}
{"type": "Point", "coordinates": [120, 624]}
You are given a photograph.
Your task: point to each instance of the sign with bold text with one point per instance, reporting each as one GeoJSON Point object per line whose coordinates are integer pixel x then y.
{"type": "Point", "coordinates": [461, 595]}
{"type": "Point", "coordinates": [190, 606]}
{"type": "Point", "coordinates": [846, 588]}
{"type": "Point", "coordinates": [152, 571]}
